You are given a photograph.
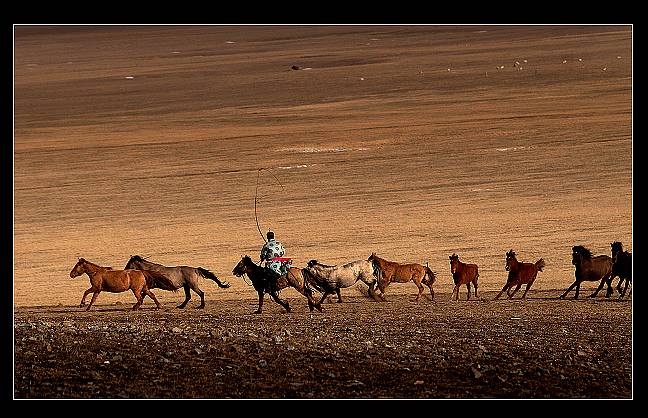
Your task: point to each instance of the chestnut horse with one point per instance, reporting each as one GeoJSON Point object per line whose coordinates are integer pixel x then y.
{"type": "Point", "coordinates": [519, 274]}
{"type": "Point", "coordinates": [392, 272]}
{"type": "Point", "coordinates": [463, 273]}
{"type": "Point", "coordinates": [591, 269]}
{"type": "Point", "coordinates": [621, 267]}
{"type": "Point", "coordinates": [117, 281]}
{"type": "Point", "coordinates": [264, 284]}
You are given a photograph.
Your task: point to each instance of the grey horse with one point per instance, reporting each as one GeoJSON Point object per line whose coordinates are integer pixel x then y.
{"type": "Point", "coordinates": [181, 276]}
{"type": "Point", "coordinates": [330, 279]}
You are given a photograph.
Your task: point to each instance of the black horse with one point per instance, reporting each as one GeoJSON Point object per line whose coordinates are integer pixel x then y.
{"type": "Point", "coordinates": [589, 268]}
{"type": "Point", "coordinates": [263, 283]}
{"type": "Point", "coordinates": [621, 267]}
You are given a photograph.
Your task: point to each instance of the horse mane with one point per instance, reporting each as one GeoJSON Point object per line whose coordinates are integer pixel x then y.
{"type": "Point", "coordinates": [582, 251]}
{"type": "Point", "coordinates": [94, 264]}
{"type": "Point", "coordinates": [313, 262]}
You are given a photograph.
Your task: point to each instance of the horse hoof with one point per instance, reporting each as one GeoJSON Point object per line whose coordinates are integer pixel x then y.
{"type": "Point", "coordinates": [257, 312]}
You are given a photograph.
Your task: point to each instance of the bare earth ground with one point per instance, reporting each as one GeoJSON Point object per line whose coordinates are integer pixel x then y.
{"type": "Point", "coordinates": [414, 142]}
{"type": "Point", "coordinates": [535, 348]}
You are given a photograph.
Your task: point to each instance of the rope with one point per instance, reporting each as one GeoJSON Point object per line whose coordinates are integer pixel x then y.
{"type": "Point", "coordinates": [256, 194]}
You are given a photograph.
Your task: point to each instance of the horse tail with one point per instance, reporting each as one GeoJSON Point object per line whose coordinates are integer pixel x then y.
{"type": "Point", "coordinates": [311, 282]}
{"type": "Point", "coordinates": [431, 274]}
{"type": "Point", "coordinates": [155, 279]}
{"type": "Point", "coordinates": [209, 275]}
{"type": "Point", "coordinates": [540, 264]}
{"type": "Point", "coordinates": [377, 271]}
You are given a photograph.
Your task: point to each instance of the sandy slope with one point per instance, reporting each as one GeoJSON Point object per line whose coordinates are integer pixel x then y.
{"type": "Point", "coordinates": [406, 141]}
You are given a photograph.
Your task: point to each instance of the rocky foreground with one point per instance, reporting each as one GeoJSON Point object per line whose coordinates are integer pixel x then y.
{"type": "Point", "coordinates": [541, 347]}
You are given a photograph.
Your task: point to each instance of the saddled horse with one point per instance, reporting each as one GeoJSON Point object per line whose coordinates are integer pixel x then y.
{"type": "Point", "coordinates": [181, 276]}
{"type": "Point", "coordinates": [463, 273]}
{"type": "Point", "coordinates": [330, 279]}
{"type": "Point", "coordinates": [621, 267]}
{"type": "Point", "coordinates": [519, 274]}
{"type": "Point", "coordinates": [263, 284]}
{"type": "Point", "coordinates": [117, 281]}
{"type": "Point", "coordinates": [393, 272]}
{"type": "Point", "coordinates": [589, 268]}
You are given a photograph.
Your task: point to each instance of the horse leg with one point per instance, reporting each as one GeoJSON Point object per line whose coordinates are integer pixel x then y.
{"type": "Point", "coordinates": [260, 302]}
{"type": "Point", "coordinates": [371, 289]}
{"type": "Point", "coordinates": [610, 289]}
{"type": "Point", "coordinates": [150, 294]}
{"type": "Point", "coordinates": [337, 291]}
{"type": "Point", "coordinates": [505, 288]}
{"type": "Point", "coordinates": [455, 290]}
{"type": "Point", "coordinates": [431, 291]}
{"type": "Point", "coordinates": [140, 298]}
{"type": "Point", "coordinates": [324, 295]}
{"type": "Point", "coordinates": [468, 287]}
{"type": "Point", "coordinates": [280, 302]}
{"type": "Point", "coordinates": [528, 286]}
{"type": "Point", "coordinates": [475, 286]}
{"type": "Point", "coordinates": [515, 291]}
{"type": "Point", "coordinates": [383, 288]}
{"type": "Point", "coordinates": [421, 289]}
{"type": "Point", "coordinates": [311, 301]}
{"type": "Point", "coordinates": [598, 289]}
{"type": "Point", "coordinates": [568, 289]}
{"type": "Point", "coordinates": [84, 296]}
{"type": "Point", "coordinates": [202, 297]}
{"type": "Point", "coordinates": [625, 288]}
{"type": "Point", "coordinates": [94, 297]}
{"type": "Point", "coordinates": [187, 296]}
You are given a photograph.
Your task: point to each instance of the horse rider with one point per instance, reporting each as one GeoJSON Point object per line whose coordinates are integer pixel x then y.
{"type": "Point", "coordinates": [272, 253]}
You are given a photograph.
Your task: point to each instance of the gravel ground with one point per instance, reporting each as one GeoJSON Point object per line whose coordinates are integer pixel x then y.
{"type": "Point", "coordinates": [541, 347]}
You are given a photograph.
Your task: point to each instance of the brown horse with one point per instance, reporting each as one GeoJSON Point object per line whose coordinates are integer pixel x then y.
{"type": "Point", "coordinates": [264, 284]}
{"type": "Point", "coordinates": [463, 273]}
{"type": "Point", "coordinates": [392, 272]}
{"type": "Point", "coordinates": [117, 281]}
{"type": "Point", "coordinates": [519, 274]}
{"type": "Point", "coordinates": [589, 268]}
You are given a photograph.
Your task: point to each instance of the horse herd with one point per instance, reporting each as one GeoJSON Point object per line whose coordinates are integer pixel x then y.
{"type": "Point", "coordinates": [140, 276]}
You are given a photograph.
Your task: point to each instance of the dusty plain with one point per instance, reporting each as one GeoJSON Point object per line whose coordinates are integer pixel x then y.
{"type": "Point", "coordinates": [414, 142]}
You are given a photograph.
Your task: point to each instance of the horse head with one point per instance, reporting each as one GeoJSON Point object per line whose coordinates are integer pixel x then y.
{"type": "Point", "coordinates": [242, 266]}
{"type": "Point", "coordinates": [617, 248]}
{"type": "Point", "coordinates": [78, 269]}
{"type": "Point", "coordinates": [454, 261]}
{"type": "Point", "coordinates": [510, 259]}
{"type": "Point", "coordinates": [580, 253]}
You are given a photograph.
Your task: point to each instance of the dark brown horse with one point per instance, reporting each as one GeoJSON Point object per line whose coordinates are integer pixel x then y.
{"type": "Point", "coordinates": [519, 274]}
{"type": "Point", "coordinates": [589, 268]}
{"type": "Point", "coordinates": [117, 281]}
{"type": "Point", "coordinates": [392, 272]}
{"type": "Point", "coordinates": [463, 273]}
{"type": "Point", "coordinates": [264, 284]}
{"type": "Point", "coordinates": [181, 276]}
{"type": "Point", "coordinates": [621, 267]}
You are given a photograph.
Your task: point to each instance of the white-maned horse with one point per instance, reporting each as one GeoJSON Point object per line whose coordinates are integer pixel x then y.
{"type": "Point", "coordinates": [330, 279]}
